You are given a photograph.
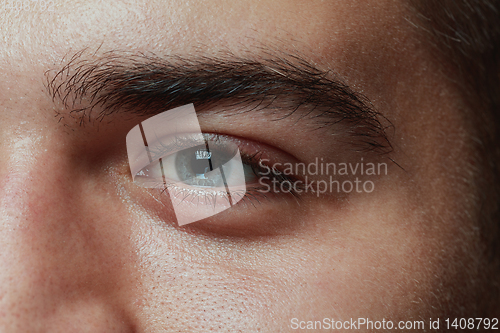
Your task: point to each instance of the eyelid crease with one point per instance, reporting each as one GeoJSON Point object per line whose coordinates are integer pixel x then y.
{"type": "Point", "coordinates": [143, 85]}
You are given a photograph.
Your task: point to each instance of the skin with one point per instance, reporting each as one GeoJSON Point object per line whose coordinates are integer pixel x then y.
{"type": "Point", "coordinates": [85, 250]}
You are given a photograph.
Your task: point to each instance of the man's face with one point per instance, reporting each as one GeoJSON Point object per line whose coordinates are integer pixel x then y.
{"type": "Point", "coordinates": [85, 249]}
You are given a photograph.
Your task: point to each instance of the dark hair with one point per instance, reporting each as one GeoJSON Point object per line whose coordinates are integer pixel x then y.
{"type": "Point", "coordinates": [464, 35]}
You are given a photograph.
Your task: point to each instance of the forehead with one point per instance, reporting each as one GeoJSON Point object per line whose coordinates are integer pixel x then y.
{"type": "Point", "coordinates": [319, 29]}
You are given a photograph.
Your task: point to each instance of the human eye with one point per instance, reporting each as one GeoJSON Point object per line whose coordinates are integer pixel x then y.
{"type": "Point", "coordinates": [205, 173]}
{"type": "Point", "coordinates": [210, 165]}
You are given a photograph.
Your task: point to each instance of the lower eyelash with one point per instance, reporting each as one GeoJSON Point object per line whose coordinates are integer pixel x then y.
{"type": "Point", "coordinates": [252, 195]}
{"type": "Point", "coordinates": [187, 193]}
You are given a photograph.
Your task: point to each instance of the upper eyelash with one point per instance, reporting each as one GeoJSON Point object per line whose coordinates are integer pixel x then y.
{"type": "Point", "coordinates": [179, 143]}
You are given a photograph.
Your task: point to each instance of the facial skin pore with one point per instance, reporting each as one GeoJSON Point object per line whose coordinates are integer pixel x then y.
{"type": "Point", "coordinates": [84, 249]}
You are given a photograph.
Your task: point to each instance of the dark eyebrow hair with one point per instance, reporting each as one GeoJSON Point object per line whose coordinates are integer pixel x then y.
{"type": "Point", "coordinates": [145, 84]}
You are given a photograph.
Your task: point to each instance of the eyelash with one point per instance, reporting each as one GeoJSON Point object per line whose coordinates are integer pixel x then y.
{"type": "Point", "coordinates": [253, 160]}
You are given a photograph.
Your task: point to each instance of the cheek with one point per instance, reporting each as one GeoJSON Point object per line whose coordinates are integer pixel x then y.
{"type": "Point", "coordinates": [198, 283]}
{"type": "Point", "coordinates": [377, 255]}
{"type": "Point", "coordinates": [402, 261]}
{"type": "Point", "coordinates": [377, 258]}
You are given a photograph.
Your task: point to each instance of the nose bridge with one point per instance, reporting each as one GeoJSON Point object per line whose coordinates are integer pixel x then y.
{"type": "Point", "coordinates": [33, 226]}
{"type": "Point", "coordinates": [49, 251]}
{"type": "Point", "coordinates": [31, 174]}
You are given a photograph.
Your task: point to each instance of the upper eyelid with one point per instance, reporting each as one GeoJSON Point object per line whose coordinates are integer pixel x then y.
{"type": "Point", "coordinates": [162, 149]}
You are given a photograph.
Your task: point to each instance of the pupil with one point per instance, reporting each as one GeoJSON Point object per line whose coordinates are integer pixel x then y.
{"type": "Point", "coordinates": [199, 166]}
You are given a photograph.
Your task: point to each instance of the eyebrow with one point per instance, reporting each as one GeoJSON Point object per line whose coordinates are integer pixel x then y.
{"type": "Point", "coordinates": [283, 84]}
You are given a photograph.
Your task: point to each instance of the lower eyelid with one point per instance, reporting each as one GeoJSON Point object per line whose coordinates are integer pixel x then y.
{"type": "Point", "coordinates": [210, 197]}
